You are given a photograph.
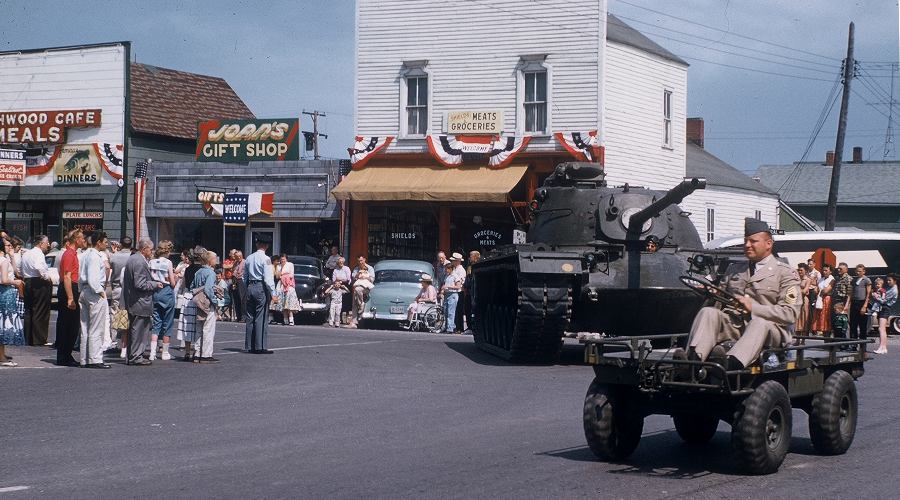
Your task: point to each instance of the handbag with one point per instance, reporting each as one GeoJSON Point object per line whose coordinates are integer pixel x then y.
{"type": "Point", "coordinates": [120, 320]}
{"type": "Point", "coordinates": [202, 302]}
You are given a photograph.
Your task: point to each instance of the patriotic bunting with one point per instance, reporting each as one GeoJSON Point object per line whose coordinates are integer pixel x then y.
{"type": "Point", "coordinates": [584, 146]}
{"type": "Point", "coordinates": [110, 158]}
{"type": "Point", "coordinates": [237, 207]}
{"type": "Point", "coordinates": [365, 148]}
{"type": "Point", "coordinates": [499, 151]}
{"type": "Point", "coordinates": [41, 163]}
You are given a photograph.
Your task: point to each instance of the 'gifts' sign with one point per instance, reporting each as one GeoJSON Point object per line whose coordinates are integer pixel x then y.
{"type": "Point", "coordinates": [44, 127]}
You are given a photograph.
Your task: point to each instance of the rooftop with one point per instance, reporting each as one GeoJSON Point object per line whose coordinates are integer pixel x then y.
{"type": "Point", "coordinates": [171, 103]}
{"type": "Point", "coordinates": [618, 31]}
{"type": "Point", "coordinates": [701, 163]}
{"type": "Point", "coordinates": [807, 183]}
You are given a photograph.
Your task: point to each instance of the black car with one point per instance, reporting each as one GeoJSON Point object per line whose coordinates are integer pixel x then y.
{"type": "Point", "coordinates": [309, 284]}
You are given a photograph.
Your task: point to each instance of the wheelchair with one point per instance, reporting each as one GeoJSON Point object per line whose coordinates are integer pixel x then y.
{"type": "Point", "coordinates": [429, 319]}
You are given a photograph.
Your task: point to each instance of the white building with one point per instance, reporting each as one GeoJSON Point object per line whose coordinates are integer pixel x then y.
{"type": "Point", "coordinates": [512, 75]}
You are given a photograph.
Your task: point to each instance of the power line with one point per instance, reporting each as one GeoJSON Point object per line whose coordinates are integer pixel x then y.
{"type": "Point", "coordinates": [691, 58]}
{"type": "Point", "coordinates": [727, 32]}
{"type": "Point", "coordinates": [693, 35]}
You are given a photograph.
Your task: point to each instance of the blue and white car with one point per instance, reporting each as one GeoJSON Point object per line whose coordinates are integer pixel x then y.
{"type": "Point", "coordinates": [397, 282]}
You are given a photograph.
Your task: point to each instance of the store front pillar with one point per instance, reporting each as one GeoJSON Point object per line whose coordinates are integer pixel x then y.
{"type": "Point", "coordinates": [359, 231]}
{"type": "Point", "coordinates": [444, 229]}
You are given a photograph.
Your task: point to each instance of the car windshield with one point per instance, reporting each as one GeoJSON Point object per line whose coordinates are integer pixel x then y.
{"type": "Point", "coordinates": [398, 275]}
{"type": "Point", "coordinates": [306, 270]}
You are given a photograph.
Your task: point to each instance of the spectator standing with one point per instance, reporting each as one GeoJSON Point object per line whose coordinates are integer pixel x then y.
{"type": "Point", "coordinates": [205, 296]}
{"type": "Point", "coordinates": [238, 288]}
{"type": "Point", "coordinates": [814, 275]}
{"type": "Point", "coordinates": [362, 279]}
{"type": "Point", "coordinates": [859, 304]}
{"type": "Point", "coordinates": [450, 292]}
{"type": "Point", "coordinates": [16, 256]}
{"type": "Point", "coordinates": [803, 319]}
{"type": "Point", "coordinates": [137, 297]}
{"type": "Point", "coordinates": [68, 321]}
{"type": "Point", "coordinates": [38, 292]}
{"type": "Point", "coordinates": [874, 307]}
{"type": "Point", "coordinates": [163, 316]}
{"type": "Point", "coordinates": [117, 262]}
{"type": "Point", "coordinates": [94, 310]}
{"type": "Point", "coordinates": [11, 326]}
{"type": "Point", "coordinates": [822, 316]}
{"type": "Point", "coordinates": [440, 268]}
{"type": "Point", "coordinates": [332, 263]}
{"type": "Point", "coordinates": [336, 293]}
{"type": "Point", "coordinates": [459, 272]}
{"type": "Point", "coordinates": [289, 302]}
{"type": "Point", "coordinates": [887, 301]}
{"type": "Point", "coordinates": [343, 273]}
{"type": "Point", "coordinates": [843, 287]}
{"type": "Point", "coordinates": [187, 323]}
{"type": "Point", "coordinates": [260, 283]}
{"type": "Point", "coordinates": [223, 296]}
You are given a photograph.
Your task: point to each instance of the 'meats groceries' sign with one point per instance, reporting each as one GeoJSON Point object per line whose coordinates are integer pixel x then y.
{"type": "Point", "coordinates": [44, 127]}
{"type": "Point", "coordinates": [248, 140]}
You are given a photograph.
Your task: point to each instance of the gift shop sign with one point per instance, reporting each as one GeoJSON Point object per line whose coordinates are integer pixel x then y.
{"type": "Point", "coordinates": [44, 127]}
{"type": "Point", "coordinates": [474, 122]}
{"type": "Point", "coordinates": [12, 167]}
{"type": "Point", "coordinates": [248, 140]}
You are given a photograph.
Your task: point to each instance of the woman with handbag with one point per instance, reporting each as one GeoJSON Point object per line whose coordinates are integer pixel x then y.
{"type": "Point", "coordinates": [12, 330]}
{"type": "Point", "coordinates": [187, 322]}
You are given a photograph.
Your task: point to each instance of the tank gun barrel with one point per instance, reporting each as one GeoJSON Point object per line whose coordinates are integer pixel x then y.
{"type": "Point", "coordinates": [672, 196]}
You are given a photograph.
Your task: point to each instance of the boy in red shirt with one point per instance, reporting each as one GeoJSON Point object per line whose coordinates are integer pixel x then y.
{"type": "Point", "coordinates": [68, 324]}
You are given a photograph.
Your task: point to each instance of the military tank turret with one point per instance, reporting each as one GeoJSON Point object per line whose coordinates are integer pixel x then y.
{"type": "Point", "coordinates": [586, 266]}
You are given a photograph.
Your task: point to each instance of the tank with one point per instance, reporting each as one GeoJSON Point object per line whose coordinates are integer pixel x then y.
{"type": "Point", "coordinates": [585, 267]}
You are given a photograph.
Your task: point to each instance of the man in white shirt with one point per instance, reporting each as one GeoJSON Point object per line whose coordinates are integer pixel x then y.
{"type": "Point", "coordinates": [332, 262]}
{"type": "Point", "coordinates": [459, 272]}
{"type": "Point", "coordinates": [94, 308]}
{"type": "Point", "coordinates": [38, 291]}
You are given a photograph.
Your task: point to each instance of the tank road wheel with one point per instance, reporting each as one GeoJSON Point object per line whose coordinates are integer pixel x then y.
{"type": "Point", "coordinates": [695, 429]}
{"type": "Point", "coordinates": [761, 429]}
{"type": "Point", "coordinates": [832, 418]}
{"type": "Point", "coordinates": [611, 426]}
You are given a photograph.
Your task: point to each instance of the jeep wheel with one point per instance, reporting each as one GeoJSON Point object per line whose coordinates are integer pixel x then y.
{"type": "Point", "coordinates": [761, 429]}
{"type": "Point", "coordinates": [611, 425]}
{"type": "Point", "coordinates": [832, 417]}
{"type": "Point", "coordinates": [695, 429]}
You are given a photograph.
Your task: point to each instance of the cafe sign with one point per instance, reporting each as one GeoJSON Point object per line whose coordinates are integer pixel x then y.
{"type": "Point", "coordinates": [248, 140]}
{"type": "Point", "coordinates": [12, 167]}
{"type": "Point", "coordinates": [44, 127]}
{"type": "Point", "coordinates": [474, 122]}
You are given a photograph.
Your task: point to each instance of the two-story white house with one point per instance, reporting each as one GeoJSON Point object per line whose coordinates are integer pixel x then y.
{"type": "Point", "coordinates": [463, 109]}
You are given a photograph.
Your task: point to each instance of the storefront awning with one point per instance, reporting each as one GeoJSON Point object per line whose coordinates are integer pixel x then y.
{"type": "Point", "coordinates": [430, 184]}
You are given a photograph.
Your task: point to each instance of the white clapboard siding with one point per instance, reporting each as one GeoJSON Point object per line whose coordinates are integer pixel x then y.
{"type": "Point", "coordinates": [472, 49]}
{"type": "Point", "coordinates": [78, 78]}
{"type": "Point", "coordinates": [633, 123]}
{"type": "Point", "coordinates": [731, 207]}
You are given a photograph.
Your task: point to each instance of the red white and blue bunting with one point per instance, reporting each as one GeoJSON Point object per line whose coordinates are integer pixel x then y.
{"type": "Point", "coordinates": [365, 148]}
{"type": "Point", "coordinates": [584, 146]}
{"type": "Point", "coordinates": [110, 156]}
{"type": "Point", "coordinates": [451, 151]}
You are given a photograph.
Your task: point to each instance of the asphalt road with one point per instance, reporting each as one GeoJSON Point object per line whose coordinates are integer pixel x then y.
{"type": "Point", "coordinates": [351, 414]}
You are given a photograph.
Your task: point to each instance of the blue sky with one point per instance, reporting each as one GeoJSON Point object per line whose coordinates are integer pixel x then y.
{"type": "Point", "coordinates": [286, 56]}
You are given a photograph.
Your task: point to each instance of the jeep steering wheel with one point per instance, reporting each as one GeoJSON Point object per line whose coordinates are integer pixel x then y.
{"type": "Point", "coordinates": [708, 289]}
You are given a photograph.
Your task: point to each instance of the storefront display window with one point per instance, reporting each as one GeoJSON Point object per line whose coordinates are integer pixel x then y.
{"type": "Point", "coordinates": [308, 238]}
{"type": "Point", "coordinates": [481, 229]}
{"type": "Point", "coordinates": [402, 233]}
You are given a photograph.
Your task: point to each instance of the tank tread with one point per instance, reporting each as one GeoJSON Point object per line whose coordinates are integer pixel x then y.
{"type": "Point", "coordinates": [541, 319]}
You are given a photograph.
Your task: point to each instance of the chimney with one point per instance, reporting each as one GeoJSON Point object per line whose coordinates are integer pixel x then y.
{"type": "Point", "coordinates": [829, 158]}
{"type": "Point", "coordinates": [857, 154]}
{"type": "Point", "coordinates": [694, 131]}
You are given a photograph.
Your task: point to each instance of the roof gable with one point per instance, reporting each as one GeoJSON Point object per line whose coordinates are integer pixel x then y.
{"type": "Point", "coordinates": [171, 103]}
{"type": "Point", "coordinates": [618, 31]}
{"type": "Point", "coordinates": [700, 163]}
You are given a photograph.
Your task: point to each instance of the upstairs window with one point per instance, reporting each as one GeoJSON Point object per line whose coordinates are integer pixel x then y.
{"type": "Point", "coordinates": [710, 224]}
{"type": "Point", "coordinates": [416, 105]}
{"type": "Point", "coordinates": [415, 95]}
{"type": "Point", "coordinates": [535, 101]}
{"type": "Point", "coordinates": [667, 118]}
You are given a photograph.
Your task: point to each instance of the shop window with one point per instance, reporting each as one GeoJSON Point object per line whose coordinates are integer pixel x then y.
{"type": "Point", "coordinates": [534, 85]}
{"type": "Point", "coordinates": [312, 239]}
{"type": "Point", "coordinates": [481, 228]}
{"type": "Point", "coordinates": [400, 233]}
{"type": "Point", "coordinates": [415, 94]}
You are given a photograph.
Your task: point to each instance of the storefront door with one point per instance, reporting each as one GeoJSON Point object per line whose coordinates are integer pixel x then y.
{"type": "Point", "coordinates": [259, 232]}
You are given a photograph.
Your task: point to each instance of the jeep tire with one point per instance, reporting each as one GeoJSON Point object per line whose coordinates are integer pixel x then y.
{"type": "Point", "coordinates": [612, 425]}
{"type": "Point", "coordinates": [832, 416]}
{"type": "Point", "coordinates": [761, 429]}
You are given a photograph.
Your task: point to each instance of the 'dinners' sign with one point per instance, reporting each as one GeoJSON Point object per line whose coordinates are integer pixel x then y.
{"type": "Point", "coordinates": [248, 140]}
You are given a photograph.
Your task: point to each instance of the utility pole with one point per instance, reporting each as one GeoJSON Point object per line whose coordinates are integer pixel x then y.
{"type": "Point", "coordinates": [315, 133]}
{"type": "Point", "coordinates": [831, 208]}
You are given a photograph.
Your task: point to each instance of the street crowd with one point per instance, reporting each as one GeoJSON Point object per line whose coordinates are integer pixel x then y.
{"type": "Point", "coordinates": [117, 298]}
{"type": "Point", "coordinates": [840, 306]}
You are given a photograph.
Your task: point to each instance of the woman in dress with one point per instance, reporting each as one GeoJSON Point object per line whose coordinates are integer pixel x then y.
{"type": "Point", "coordinates": [187, 323]}
{"type": "Point", "coordinates": [822, 316]}
{"type": "Point", "coordinates": [276, 303]}
{"type": "Point", "coordinates": [803, 323]}
{"type": "Point", "coordinates": [289, 301]}
{"type": "Point", "coordinates": [886, 302]}
{"type": "Point", "coordinates": [11, 326]}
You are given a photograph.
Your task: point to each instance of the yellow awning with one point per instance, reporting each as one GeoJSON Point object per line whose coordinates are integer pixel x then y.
{"type": "Point", "coordinates": [430, 184]}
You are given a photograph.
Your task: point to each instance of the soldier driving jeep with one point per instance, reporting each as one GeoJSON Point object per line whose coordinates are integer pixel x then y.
{"type": "Point", "coordinates": [767, 291]}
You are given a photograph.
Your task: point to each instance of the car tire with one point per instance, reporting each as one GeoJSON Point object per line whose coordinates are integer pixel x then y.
{"type": "Point", "coordinates": [895, 325]}
{"type": "Point", "coordinates": [612, 426]}
{"type": "Point", "coordinates": [761, 429]}
{"type": "Point", "coordinates": [695, 429]}
{"type": "Point", "coordinates": [833, 415]}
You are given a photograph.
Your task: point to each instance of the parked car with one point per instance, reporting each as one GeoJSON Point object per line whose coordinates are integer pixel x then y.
{"type": "Point", "coordinates": [397, 282]}
{"type": "Point", "coordinates": [52, 259]}
{"type": "Point", "coordinates": [309, 282]}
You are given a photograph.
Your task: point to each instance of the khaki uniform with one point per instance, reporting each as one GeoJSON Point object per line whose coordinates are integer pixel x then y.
{"type": "Point", "coordinates": [775, 290]}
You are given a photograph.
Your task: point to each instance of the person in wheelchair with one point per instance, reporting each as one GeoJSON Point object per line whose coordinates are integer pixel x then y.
{"type": "Point", "coordinates": [426, 298]}
{"type": "Point", "coordinates": [767, 293]}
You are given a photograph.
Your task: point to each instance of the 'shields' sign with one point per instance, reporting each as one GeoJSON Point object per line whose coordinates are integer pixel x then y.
{"type": "Point", "coordinates": [248, 140]}
{"type": "Point", "coordinates": [44, 127]}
